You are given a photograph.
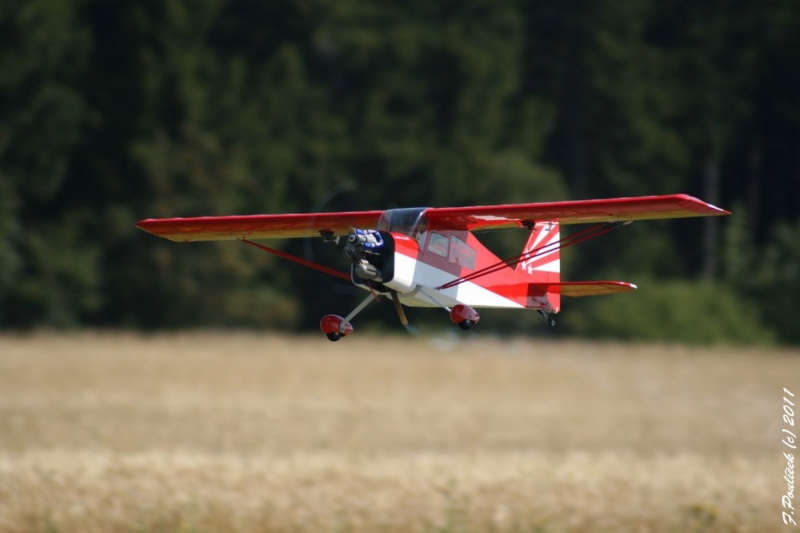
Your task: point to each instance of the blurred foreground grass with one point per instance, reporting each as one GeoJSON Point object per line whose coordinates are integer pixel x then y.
{"type": "Point", "coordinates": [250, 433]}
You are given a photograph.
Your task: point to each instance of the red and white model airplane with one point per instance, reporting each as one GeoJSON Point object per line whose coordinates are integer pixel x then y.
{"type": "Point", "coordinates": [429, 257]}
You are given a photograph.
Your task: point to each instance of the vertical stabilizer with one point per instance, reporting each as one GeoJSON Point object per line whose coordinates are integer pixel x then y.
{"type": "Point", "coordinates": [541, 262]}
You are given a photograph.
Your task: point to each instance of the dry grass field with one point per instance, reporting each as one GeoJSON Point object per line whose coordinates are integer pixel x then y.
{"type": "Point", "coordinates": [248, 433]}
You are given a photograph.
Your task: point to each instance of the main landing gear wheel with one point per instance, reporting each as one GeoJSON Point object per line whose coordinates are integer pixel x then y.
{"type": "Point", "coordinates": [466, 324]}
{"type": "Point", "coordinates": [335, 327]}
{"type": "Point", "coordinates": [464, 316]}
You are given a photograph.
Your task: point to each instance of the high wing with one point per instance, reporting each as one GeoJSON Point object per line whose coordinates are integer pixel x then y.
{"type": "Point", "coordinates": [470, 218]}
{"type": "Point", "coordinates": [573, 212]}
{"type": "Point", "coordinates": [259, 226]}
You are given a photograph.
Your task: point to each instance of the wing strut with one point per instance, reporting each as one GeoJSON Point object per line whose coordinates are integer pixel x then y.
{"type": "Point", "coordinates": [299, 260]}
{"type": "Point", "coordinates": [581, 236]}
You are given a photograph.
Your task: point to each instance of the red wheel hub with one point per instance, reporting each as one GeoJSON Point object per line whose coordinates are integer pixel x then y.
{"type": "Point", "coordinates": [334, 324]}
{"type": "Point", "coordinates": [461, 312]}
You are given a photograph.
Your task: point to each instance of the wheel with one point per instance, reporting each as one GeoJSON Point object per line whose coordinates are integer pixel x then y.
{"type": "Point", "coordinates": [331, 326]}
{"type": "Point", "coordinates": [551, 322]}
{"type": "Point", "coordinates": [466, 324]}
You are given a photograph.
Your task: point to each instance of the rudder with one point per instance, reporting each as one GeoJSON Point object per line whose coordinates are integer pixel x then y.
{"type": "Point", "coordinates": [542, 254]}
{"type": "Point", "coordinates": [541, 263]}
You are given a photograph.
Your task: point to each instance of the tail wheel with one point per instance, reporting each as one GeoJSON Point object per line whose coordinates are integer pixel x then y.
{"type": "Point", "coordinates": [333, 336]}
{"type": "Point", "coordinates": [549, 318]}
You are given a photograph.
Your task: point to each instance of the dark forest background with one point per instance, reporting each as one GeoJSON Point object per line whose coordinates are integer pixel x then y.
{"type": "Point", "coordinates": [115, 111]}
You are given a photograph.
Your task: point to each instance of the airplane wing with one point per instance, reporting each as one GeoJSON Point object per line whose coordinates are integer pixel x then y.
{"type": "Point", "coordinates": [472, 218]}
{"type": "Point", "coordinates": [259, 226]}
{"type": "Point", "coordinates": [573, 212]}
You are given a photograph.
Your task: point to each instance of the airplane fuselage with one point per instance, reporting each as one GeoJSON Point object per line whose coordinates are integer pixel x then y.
{"type": "Point", "coordinates": [420, 261]}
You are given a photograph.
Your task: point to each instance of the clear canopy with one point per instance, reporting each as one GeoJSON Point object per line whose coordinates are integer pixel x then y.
{"type": "Point", "coordinates": [408, 221]}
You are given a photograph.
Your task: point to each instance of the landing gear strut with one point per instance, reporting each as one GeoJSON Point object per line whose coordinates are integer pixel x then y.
{"type": "Point", "coordinates": [549, 318]}
{"type": "Point", "coordinates": [462, 315]}
{"type": "Point", "coordinates": [401, 314]}
{"type": "Point", "coordinates": [335, 327]}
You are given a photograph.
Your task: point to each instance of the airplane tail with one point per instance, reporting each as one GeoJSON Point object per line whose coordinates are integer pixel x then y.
{"type": "Point", "coordinates": [541, 270]}
{"type": "Point", "coordinates": [542, 263]}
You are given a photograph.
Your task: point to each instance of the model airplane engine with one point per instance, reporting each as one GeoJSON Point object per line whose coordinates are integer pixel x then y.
{"type": "Point", "coordinates": [364, 249]}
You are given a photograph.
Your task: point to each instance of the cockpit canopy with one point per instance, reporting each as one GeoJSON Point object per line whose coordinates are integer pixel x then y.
{"type": "Point", "coordinates": [408, 221]}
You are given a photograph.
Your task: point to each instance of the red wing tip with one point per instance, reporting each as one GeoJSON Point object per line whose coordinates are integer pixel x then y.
{"type": "Point", "coordinates": [150, 221]}
{"type": "Point", "coordinates": [627, 284]}
{"type": "Point", "coordinates": [149, 225]}
{"type": "Point", "coordinates": [710, 209]}
{"type": "Point", "coordinates": [718, 210]}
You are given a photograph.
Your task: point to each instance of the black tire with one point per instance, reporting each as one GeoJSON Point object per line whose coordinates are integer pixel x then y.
{"type": "Point", "coordinates": [466, 324]}
{"type": "Point", "coordinates": [551, 322]}
{"type": "Point", "coordinates": [333, 336]}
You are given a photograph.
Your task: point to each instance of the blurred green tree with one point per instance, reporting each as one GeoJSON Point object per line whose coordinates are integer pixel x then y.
{"type": "Point", "coordinates": [49, 270]}
{"type": "Point", "coordinates": [112, 112]}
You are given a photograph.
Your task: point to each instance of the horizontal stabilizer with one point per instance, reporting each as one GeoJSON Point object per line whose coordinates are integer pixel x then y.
{"type": "Point", "coordinates": [584, 288]}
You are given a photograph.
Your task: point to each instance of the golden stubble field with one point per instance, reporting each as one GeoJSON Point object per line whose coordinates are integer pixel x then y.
{"type": "Point", "coordinates": [265, 433]}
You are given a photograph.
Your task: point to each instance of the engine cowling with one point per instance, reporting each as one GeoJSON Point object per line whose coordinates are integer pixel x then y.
{"type": "Point", "coordinates": [464, 316]}
{"type": "Point", "coordinates": [404, 264]}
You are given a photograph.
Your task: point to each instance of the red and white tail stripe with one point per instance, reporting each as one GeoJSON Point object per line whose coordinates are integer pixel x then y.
{"type": "Point", "coordinates": [543, 263]}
